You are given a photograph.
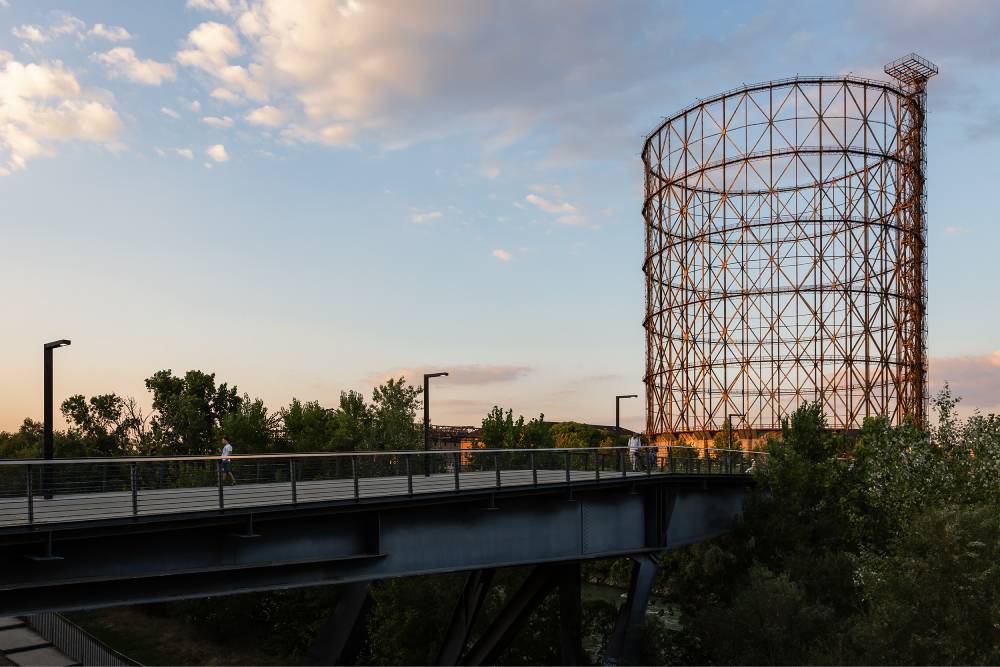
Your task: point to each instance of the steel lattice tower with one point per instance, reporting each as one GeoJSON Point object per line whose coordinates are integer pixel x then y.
{"type": "Point", "coordinates": [785, 254]}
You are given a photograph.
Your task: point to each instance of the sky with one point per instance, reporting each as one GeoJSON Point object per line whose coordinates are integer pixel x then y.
{"type": "Point", "coordinates": [311, 196]}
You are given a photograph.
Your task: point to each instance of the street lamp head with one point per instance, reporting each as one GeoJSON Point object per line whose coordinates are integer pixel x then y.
{"type": "Point", "coordinates": [434, 375]}
{"type": "Point", "coordinates": [57, 343]}
{"type": "Point", "coordinates": [628, 396]}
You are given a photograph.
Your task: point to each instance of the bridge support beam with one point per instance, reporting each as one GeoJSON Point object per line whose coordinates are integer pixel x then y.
{"type": "Point", "coordinates": [470, 601]}
{"type": "Point", "coordinates": [341, 637]}
{"type": "Point", "coordinates": [510, 619]}
{"type": "Point", "coordinates": [570, 615]}
{"type": "Point", "coordinates": [623, 647]}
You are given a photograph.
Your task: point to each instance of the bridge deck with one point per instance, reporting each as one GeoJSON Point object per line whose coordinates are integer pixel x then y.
{"type": "Point", "coordinates": [107, 489]}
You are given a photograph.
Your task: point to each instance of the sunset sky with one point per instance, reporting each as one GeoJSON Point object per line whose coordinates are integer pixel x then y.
{"type": "Point", "coordinates": [310, 196]}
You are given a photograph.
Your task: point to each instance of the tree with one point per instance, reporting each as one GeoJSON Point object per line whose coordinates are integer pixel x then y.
{"type": "Point", "coordinates": [574, 434]}
{"type": "Point", "coordinates": [393, 411]}
{"type": "Point", "coordinates": [189, 411]}
{"type": "Point", "coordinates": [107, 425]}
{"type": "Point", "coordinates": [352, 423]}
{"type": "Point", "coordinates": [251, 429]}
{"type": "Point", "coordinates": [502, 431]}
{"type": "Point", "coordinates": [308, 426]}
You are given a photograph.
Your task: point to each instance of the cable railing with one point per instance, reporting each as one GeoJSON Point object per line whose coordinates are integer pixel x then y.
{"type": "Point", "coordinates": [75, 642]}
{"type": "Point", "coordinates": [38, 492]}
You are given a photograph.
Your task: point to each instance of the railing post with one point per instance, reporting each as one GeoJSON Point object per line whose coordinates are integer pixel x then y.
{"type": "Point", "coordinates": [133, 484]}
{"type": "Point", "coordinates": [31, 497]}
{"type": "Point", "coordinates": [567, 466]}
{"type": "Point", "coordinates": [670, 459]}
{"type": "Point", "coordinates": [534, 470]}
{"type": "Point", "coordinates": [218, 471]}
{"type": "Point", "coordinates": [621, 458]}
{"type": "Point", "coordinates": [458, 468]}
{"type": "Point", "coordinates": [291, 476]}
{"type": "Point", "coordinates": [354, 473]}
{"type": "Point", "coordinates": [597, 466]}
{"type": "Point", "coordinates": [649, 463]}
{"type": "Point", "coordinates": [496, 466]}
{"type": "Point", "coordinates": [409, 475]}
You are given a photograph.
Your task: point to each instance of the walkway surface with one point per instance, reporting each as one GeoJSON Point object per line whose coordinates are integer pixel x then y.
{"type": "Point", "coordinates": [20, 645]}
{"type": "Point", "coordinates": [151, 502]}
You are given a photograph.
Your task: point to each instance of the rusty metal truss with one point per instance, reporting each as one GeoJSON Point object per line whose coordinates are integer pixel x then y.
{"type": "Point", "coordinates": [785, 254]}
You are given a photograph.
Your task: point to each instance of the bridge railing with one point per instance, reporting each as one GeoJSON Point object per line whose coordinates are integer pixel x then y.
{"type": "Point", "coordinates": [41, 492]}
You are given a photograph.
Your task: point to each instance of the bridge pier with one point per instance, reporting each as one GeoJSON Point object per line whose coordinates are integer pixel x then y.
{"type": "Point", "coordinates": [341, 637]}
{"type": "Point", "coordinates": [626, 640]}
{"type": "Point", "coordinates": [470, 601]}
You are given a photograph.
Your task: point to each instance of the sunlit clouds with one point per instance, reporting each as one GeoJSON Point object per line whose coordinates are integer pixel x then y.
{"type": "Point", "coordinates": [217, 153]}
{"type": "Point", "coordinates": [122, 62]}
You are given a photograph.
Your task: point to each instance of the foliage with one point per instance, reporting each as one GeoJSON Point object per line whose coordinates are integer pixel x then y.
{"type": "Point", "coordinates": [189, 411]}
{"type": "Point", "coordinates": [501, 431]}
{"type": "Point", "coordinates": [251, 429]}
{"type": "Point", "coordinates": [393, 412]}
{"type": "Point", "coordinates": [573, 434]}
{"type": "Point", "coordinates": [108, 424]}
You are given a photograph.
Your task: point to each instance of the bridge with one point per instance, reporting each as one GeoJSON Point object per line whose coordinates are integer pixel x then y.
{"type": "Point", "coordinates": [87, 533]}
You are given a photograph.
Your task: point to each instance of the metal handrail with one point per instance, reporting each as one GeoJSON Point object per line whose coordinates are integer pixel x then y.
{"type": "Point", "coordinates": [307, 455]}
{"type": "Point", "coordinates": [76, 642]}
{"type": "Point", "coordinates": [38, 492]}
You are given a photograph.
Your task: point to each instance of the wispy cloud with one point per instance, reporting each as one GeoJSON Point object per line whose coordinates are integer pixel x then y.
{"type": "Point", "coordinates": [976, 378]}
{"type": "Point", "coordinates": [217, 153]}
{"type": "Point", "coordinates": [167, 111]}
{"type": "Point", "coordinates": [458, 374]}
{"type": "Point", "coordinates": [565, 212]}
{"type": "Point", "coordinates": [955, 230]}
{"type": "Point", "coordinates": [502, 255]}
{"type": "Point", "coordinates": [122, 62]}
{"type": "Point", "coordinates": [421, 218]}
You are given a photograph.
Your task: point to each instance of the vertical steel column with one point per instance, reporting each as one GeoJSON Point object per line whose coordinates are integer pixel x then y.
{"type": "Point", "coordinates": [409, 475]}
{"type": "Point", "coordinates": [218, 470]}
{"type": "Point", "coordinates": [30, 495]}
{"type": "Point", "coordinates": [292, 476]}
{"type": "Point", "coordinates": [567, 467]}
{"type": "Point", "coordinates": [458, 468]}
{"type": "Point", "coordinates": [534, 469]}
{"type": "Point", "coordinates": [354, 474]}
{"type": "Point", "coordinates": [134, 484]}
{"type": "Point", "coordinates": [496, 465]}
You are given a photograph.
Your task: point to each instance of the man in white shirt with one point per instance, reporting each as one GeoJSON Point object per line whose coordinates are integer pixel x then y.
{"type": "Point", "coordinates": [227, 450]}
{"type": "Point", "coordinates": [633, 451]}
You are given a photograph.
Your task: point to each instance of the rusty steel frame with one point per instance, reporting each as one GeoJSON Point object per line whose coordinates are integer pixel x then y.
{"type": "Point", "coordinates": [785, 254]}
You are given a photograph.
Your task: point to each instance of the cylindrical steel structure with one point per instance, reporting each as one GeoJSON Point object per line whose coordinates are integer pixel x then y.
{"type": "Point", "coordinates": [785, 263]}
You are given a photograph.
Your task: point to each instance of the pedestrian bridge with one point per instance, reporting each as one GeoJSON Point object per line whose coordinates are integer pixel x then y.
{"type": "Point", "coordinates": [85, 533]}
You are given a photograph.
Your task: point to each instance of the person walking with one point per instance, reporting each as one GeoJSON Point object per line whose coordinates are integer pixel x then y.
{"type": "Point", "coordinates": [227, 451]}
{"type": "Point", "coordinates": [633, 452]}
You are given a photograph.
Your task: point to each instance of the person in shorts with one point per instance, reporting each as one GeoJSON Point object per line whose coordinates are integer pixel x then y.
{"type": "Point", "coordinates": [227, 470]}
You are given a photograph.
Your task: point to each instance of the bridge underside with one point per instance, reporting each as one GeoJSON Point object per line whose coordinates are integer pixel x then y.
{"type": "Point", "coordinates": [85, 565]}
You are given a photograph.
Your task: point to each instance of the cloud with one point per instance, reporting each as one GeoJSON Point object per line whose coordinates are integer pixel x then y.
{"type": "Point", "coordinates": [267, 115]}
{"type": "Point", "coordinates": [112, 33]}
{"type": "Point", "coordinates": [550, 206]}
{"type": "Point", "coordinates": [64, 24]}
{"type": "Point", "coordinates": [502, 255]}
{"type": "Point", "coordinates": [458, 374]}
{"type": "Point", "coordinates": [217, 153]}
{"type": "Point", "coordinates": [955, 230]}
{"type": "Point", "coordinates": [30, 33]}
{"type": "Point", "coordinates": [41, 105]}
{"type": "Point", "coordinates": [167, 111]}
{"type": "Point", "coordinates": [121, 61]}
{"type": "Point", "coordinates": [219, 123]}
{"type": "Point", "coordinates": [976, 378]}
{"type": "Point", "coordinates": [420, 218]}
{"type": "Point", "coordinates": [209, 48]}
{"type": "Point", "coordinates": [221, 6]}
{"type": "Point", "coordinates": [565, 212]}
{"type": "Point", "coordinates": [185, 153]}
{"type": "Point", "coordinates": [225, 95]}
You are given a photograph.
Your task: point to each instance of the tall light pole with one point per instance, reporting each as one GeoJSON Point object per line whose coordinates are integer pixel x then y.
{"type": "Point", "coordinates": [618, 413]}
{"type": "Point", "coordinates": [427, 417]}
{"type": "Point", "coordinates": [47, 438]}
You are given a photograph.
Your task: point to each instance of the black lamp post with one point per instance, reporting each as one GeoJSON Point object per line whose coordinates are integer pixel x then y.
{"type": "Point", "coordinates": [427, 417]}
{"type": "Point", "coordinates": [618, 411]}
{"type": "Point", "coordinates": [47, 438]}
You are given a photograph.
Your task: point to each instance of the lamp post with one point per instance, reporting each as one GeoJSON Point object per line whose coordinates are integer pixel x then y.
{"type": "Point", "coordinates": [427, 418]}
{"type": "Point", "coordinates": [47, 438]}
{"type": "Point", "coordinates": [618, 412]}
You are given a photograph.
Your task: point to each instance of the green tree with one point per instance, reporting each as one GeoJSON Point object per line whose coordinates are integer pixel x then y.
{"type": "Point", "coordinates": [107, 425]}
{"type": "Point", "coordinates": [188, 411]}
{"type": "Point", "coordinates": [308, 426]}
{"type": "Point", "coordinates": [574, 434]}
{"type": "Point", "coordinates": [352, 424]}
{"type": "Point", "coordinates": [393, 411]}
{"type": "Point", "coordinates": [502, 431]}
{"type": "Point", "coordinates": [251, 429]}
